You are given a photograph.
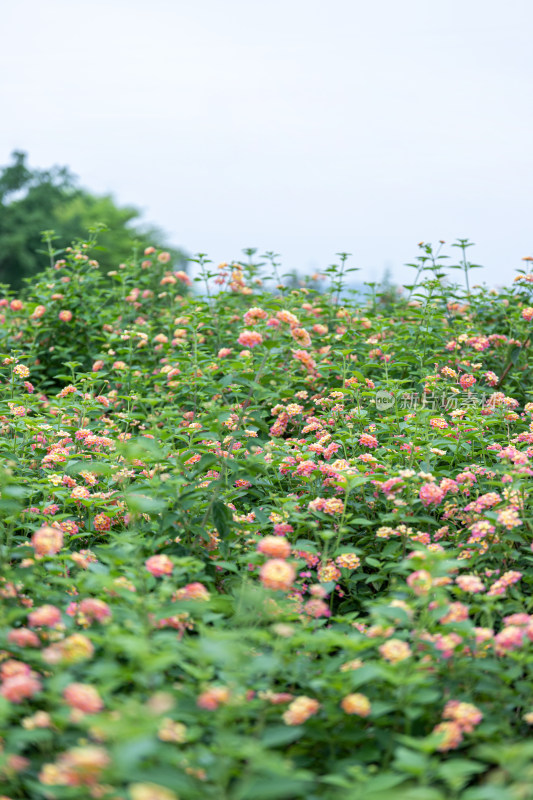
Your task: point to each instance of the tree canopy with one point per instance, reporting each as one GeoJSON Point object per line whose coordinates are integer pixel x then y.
{"type": "Point", "coordinates": [35, 200]}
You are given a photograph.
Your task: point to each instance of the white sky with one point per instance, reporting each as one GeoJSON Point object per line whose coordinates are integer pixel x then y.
{"type": "Point", "coordinates": [306, 127]}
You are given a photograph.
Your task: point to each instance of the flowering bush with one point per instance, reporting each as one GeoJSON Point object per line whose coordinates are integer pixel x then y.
{"type": "Point", "coordinates": [264, 544]}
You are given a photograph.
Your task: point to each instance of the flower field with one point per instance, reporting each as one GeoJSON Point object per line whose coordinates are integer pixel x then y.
{"type": "Point", "coordinates": [265, 542]}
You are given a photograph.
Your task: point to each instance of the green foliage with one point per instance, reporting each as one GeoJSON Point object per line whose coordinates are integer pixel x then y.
{"type": "Point", "coordinates": [262, 545]}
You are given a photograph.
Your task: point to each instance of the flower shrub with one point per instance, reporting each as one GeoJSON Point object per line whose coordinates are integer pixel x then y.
{"type": "Point", "coordinates": [264, 544]}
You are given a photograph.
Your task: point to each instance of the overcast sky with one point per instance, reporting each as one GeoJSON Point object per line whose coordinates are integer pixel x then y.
{"type": "Point", "coordinates": [306, 127]}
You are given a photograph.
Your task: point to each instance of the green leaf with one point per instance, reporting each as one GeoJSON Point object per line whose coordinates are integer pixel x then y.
{"type": "Point", "coordinates": [279, 735]}
{"type": "Point", "coordinates": [143, 503]}
{"type": "Point", "coordinates": [457, 772]}
{"type": "Point", "coordinates": [99, 467]}
{"type": "Point", "coordinates": [410, 761]}
{"type": "Point", "coordinates": [226, 565]}
{"type": "Point", "coordinates": [222, 518]}
{"type": "Point", "coordinates": [270, 787]}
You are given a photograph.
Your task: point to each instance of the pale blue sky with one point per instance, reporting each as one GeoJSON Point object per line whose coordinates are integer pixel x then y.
{"type": "Point", "coordinates": [301, 126]}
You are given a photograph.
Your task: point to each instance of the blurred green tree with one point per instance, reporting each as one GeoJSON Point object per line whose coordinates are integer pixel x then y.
{"type": "Point", "coordinates": [35, 200]}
